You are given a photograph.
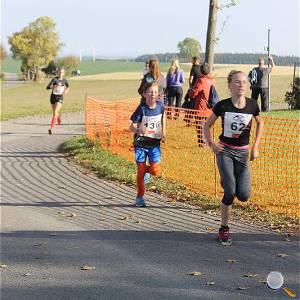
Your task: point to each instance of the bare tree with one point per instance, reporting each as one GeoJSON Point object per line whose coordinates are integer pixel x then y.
{"type": "Point", "coordinates": [211, 38]}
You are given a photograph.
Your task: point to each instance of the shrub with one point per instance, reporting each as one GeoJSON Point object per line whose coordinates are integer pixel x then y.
{"type": "Point", "coordinates": [293, 97]}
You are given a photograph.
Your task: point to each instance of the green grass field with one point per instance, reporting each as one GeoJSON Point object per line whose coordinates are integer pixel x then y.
{"type": "Point", "coordinates": [32, 98]}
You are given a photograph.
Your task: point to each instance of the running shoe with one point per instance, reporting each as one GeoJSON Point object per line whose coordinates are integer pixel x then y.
{"type": "Point", "coordinates": [146, 178]}
{"type": "Point", "coordinates": [224, 235]}
{"type": "Point", "coordinates": [140, 202]}
{"type": "Point", "coordinates": [50, 131]}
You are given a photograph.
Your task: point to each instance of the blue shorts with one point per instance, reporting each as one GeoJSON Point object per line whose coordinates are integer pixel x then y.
{"type": "Point", "coordinates": [141, 154]}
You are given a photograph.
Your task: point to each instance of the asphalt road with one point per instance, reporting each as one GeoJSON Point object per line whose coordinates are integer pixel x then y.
{"type": "Point", "coordinates": [56, 218]}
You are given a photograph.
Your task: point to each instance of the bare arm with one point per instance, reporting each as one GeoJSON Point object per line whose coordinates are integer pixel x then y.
{"type": "Point", "coordinates": [271, 61]}
{"type": "Point", "coordinates": [206, 129]}
{"type": "Point", "coordinates": [258, 134]}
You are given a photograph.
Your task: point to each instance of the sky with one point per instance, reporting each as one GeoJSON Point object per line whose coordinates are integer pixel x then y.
{"type": "Point", "coordinates": [119, 28]}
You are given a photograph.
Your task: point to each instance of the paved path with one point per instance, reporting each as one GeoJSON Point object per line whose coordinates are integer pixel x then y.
{"type": "Point", "coordinates": [56, 218]}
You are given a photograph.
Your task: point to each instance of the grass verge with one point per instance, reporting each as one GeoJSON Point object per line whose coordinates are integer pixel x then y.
{"type": "Point", "coordinates": [108, 166]}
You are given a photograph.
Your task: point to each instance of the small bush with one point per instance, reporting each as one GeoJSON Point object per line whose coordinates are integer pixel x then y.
{"type": "Point", "coordinates": [293, 97]}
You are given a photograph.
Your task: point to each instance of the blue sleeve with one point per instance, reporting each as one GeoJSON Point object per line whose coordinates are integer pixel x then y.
{"type": "Point", "coordinates": [137, 116]}
{"type": "Point", "coordinates": [181, 77]}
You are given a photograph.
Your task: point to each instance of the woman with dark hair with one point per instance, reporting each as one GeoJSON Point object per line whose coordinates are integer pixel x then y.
{"type": "Point", "coordinates": [232, 150]}
{"type": "Point", "coordinates": [200, 92]}
{"type": "Point", "coordinates": [154, 74]}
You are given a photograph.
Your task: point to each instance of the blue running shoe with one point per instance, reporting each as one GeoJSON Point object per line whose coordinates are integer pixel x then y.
{"type": "Point", "coordinates": [140, 202]}
{"type": "Point", "coordinates": [146, 178]}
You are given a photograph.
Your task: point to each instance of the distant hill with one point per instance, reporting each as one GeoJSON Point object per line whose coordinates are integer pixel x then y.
{"type": "Point", "coordinates": [226, 58]}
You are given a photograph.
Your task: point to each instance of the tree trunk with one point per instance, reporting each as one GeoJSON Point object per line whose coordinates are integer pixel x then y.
{"type": "Point", "coordinates": [211, 33]}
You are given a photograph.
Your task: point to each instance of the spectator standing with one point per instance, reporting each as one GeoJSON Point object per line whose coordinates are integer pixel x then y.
{"type": "Point", "coordinates": [146, 68]}
{"type": "Point", "coordinates": [154, 74]}
{"type": "Point", "coordinates": [258, 78]}
{"type": "Point", "coordinates": [200, 92]}
{"type": "Point", "coordinates": [175, 80]}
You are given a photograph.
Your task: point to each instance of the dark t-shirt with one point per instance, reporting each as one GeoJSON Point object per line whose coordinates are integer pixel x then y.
{"type": "Point", "coordinates": [195, 72]}
{"type": "Point", "coordinates": [152, 119]}
{"type": "Point", "coordinates": [236, 122]}
{"type": "Point", "coordinates": [262, 77]}
{"type": "Point", "coordinates": [62, 84]}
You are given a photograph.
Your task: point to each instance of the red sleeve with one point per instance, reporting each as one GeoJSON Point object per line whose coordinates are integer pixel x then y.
{"type": "Point", "coordinates": [196, 89]}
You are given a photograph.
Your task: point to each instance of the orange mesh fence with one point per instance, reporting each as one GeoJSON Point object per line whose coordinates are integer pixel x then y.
{"type": "Point", "coordinates": [274, 176]}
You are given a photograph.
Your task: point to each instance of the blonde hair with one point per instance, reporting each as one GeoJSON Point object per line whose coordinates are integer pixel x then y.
{"type": "Point", "coordinates": [233, 72]}
{"type": "Point", "coordinates": [174, 66]}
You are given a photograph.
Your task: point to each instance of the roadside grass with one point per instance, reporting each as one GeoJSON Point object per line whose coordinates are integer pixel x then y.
{"type": "Point", "coordinates": [106, 165]}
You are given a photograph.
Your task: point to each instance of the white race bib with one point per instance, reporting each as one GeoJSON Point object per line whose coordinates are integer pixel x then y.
{"type": "Point", "coordinates": [153, 125]}
{"type": "Point", "coordinates": [59, 90]}
{"type": "Point", "coordinates": [235, 123]}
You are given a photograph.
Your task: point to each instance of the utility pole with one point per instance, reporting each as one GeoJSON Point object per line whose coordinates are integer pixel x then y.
{"type": "Point", "coordinates": [269, 77]}
{"type": "Point", "coordinates": [211, 33]}
{"type": "Point", "coordinates": [94, 54]}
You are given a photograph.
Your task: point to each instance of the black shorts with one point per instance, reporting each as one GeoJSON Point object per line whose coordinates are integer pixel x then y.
{"type": "Point", "coordinates": [55, 99]}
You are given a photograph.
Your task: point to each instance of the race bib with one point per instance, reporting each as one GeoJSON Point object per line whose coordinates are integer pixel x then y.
{"type": "Point", "coordinates": [153, 125]}
{"type": "Point", "coordinates": [235, 123]}
{"type": "Point", "coordinates": [59, 90]}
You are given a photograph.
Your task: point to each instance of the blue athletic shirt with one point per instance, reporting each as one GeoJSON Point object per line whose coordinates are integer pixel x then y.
{"type": "Point", "coordinates": [152, 119]}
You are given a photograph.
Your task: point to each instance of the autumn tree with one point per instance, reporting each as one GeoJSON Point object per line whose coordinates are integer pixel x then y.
{"type": "Point", "coordinates": [188, 48]}
{"type": "Point", "coordinates": [36, 45]}
{"type": "Point", "coordinates": [70, 63]}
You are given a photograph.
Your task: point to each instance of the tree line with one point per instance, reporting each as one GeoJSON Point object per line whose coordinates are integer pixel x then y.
{"type": "Point", "coordinates": [224, 58]}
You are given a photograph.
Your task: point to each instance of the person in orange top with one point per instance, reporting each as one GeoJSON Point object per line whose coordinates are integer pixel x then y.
{"type": "Point", "coordinates": [200, 91]}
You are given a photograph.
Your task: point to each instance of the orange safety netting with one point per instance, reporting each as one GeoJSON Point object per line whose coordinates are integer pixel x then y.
{"type": "Point", "coordinates": [275, 174]}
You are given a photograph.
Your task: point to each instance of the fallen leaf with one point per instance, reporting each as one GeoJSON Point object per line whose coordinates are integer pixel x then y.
{"type": "Point", "coordinates": [210, 228]}
{"type": "Point", "coordinates": [26, 274]}
{"type": "Point", "coordinates": [250, 275]}
{"type": "Point", "coordinates": [3, 266]}
{"type": "Point", "coordinates": [71, 215]}
{"type": "Point", "coordinates": [262, 281]}
{"type": "Point", "coordinates": [61, 213]}
{"type": "Point", "coordinates": [195, 273]}
{"type": "Point", "coordinates": [40, 244]}
{"type": "Point", "coordinates": [210, 283]}
{"type": "Point", "coordinates": [62, 187]}
{"type": "Point", "coordinates": [291, 293]}
{"type": "Point", "coordinates": [87, 268]}
{"type": "Point", "coordinates": [101, 219]}
{"type": "Point", "coordinates": [282, 255]}
{"type": "Point", "coordinates": [138, 222]}
{"type": "Point", "coordinates": [52, 234]}
{"type": "Point", "coordinates": [231, 260]}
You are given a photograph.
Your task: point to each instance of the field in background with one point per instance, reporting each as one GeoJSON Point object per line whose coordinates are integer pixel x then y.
{"type": "Point", "coordinates": [33, 98]}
